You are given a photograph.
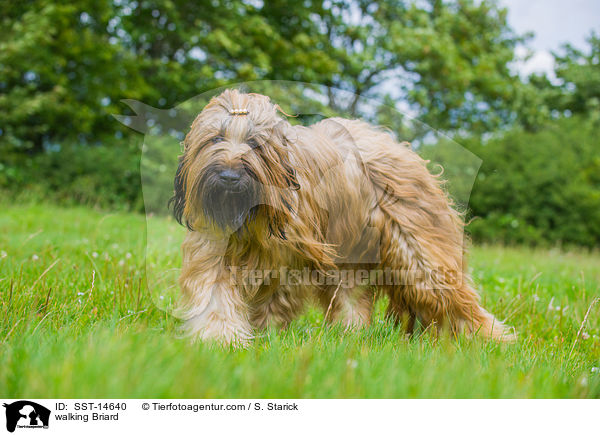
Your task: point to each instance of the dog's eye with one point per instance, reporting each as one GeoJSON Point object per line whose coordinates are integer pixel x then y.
{"type": "Point", "coordinates": [252, 143]}
{"type": "Point", "coordinates": [216, 139]}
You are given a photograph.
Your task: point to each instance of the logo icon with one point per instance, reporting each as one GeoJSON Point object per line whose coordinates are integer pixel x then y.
{"type": "Point", "coordinates": [26, 414]}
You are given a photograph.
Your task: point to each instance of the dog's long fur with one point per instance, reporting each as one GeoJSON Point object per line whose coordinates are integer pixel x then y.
{"type": "Point", "coordinates": [337, 194]}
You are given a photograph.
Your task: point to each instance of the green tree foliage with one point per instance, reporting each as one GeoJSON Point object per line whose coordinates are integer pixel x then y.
{"type": "Point", "coordinates": [185, 47]}
{"type": "Point", "coordinates": [580, 75]}
{"type": "Point", "coordinates": [61, 73]}
{"type": "Point", "coordinates": [575, 90]}
{"type": "Point", "coordinates": [447, 60]}
{"type": "Point", "coordinates": [539, 187]}
{"type": "Point", "coordinates": [66, 65]}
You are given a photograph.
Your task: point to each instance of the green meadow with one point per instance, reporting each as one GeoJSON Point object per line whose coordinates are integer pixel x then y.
{"type": "Point", "coordinates": [77, 320]}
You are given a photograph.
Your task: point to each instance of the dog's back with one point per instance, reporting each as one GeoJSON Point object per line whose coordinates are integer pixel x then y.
{"type": "Point", "coordinates": [418, 227]}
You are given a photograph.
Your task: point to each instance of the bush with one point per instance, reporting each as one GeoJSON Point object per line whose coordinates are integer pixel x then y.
{"type": "Point", "coordinates": [541, 187]}
{"type": "Point", "coordinates": [102, 176]}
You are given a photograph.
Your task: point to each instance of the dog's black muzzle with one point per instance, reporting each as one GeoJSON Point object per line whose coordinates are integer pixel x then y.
{"type": "Point", "coordinates": [228, 196]}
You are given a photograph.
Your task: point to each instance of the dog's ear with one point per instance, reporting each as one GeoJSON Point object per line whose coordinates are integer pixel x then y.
{"type": "Point", "coordinates": [290, 177]}
{"type": "Point", "coordinates": [178, 199]}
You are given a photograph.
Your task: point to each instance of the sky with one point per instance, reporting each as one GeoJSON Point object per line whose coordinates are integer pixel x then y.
{"type": "Point", "coordinates": [553, 23]}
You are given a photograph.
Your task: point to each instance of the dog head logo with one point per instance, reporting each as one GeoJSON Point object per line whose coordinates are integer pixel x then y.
{"type": "Point", "coordinates": [26, 414]}
{"type": "Point", "coordinates": [241, 174]}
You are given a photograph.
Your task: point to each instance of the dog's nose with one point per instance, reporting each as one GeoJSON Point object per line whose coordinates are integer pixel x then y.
{"type": "Point", "coordinates": [229, 177]}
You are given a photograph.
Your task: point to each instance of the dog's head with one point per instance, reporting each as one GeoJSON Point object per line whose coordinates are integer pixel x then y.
{"type": "Point", "coordinates": [236, 166]}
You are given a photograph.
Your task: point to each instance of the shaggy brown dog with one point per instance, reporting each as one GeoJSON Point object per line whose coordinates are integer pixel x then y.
{"type": "Point", "coordinates": [262, 197]}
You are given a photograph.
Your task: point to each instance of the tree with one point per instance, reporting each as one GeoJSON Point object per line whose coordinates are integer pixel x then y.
{"type": "Point", "coordinates": [575, 91]}
{"type": "Point", "coordinates": [66, 65]}
{"type": "Point", "coordinates": [579, 73]}
{"type": "Point", "coordinates": [185, 48]}
{"type": "Point", "coordinates": [447, 60]}
{"type": "Point", "coordinates": [62, 73]}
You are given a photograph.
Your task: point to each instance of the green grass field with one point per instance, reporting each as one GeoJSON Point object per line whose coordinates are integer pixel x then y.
{"type": "Point", "coordinates": [62, 336]}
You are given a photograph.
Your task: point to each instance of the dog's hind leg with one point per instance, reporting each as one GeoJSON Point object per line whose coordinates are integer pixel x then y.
{"type": "Point", "coordinates": [426, 251]}
{"type": "Point", "coordinates": [437, 296]}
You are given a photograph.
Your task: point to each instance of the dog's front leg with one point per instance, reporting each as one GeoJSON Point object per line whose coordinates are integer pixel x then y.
{"type": "Point", "coordinates": [212, 306]}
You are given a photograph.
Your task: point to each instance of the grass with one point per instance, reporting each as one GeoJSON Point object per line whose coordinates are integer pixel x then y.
{"type": "Point", "coordinates": [77, 320]}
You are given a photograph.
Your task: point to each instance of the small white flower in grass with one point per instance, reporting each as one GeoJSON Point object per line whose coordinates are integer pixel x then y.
{"type": "Point", "coordinates": [35, 257]}
{"type": "Point", "coordinates": [79, 300]}
{"type": "Point", "coordinates": [551, 306]}
{"type": "Point", "coordinates": [3, 254]}
{"type": "Point", "coordinates": [161, 297]}
{"type": "Point", "coordinates": [130, 311]}
{"type": "Point", "coordinates": [95, 254]}
{"type": "Point", "coordinates": [128, 255]}
{"type": "Point", "coordinates": [80, 293]}
{"type": "Point", "coordinates": [585, 335]}
{"type": "Point", "coordinates": [536, 298]}
{"type": "Point", "coordinates": [595, 369]}
{"type": "Point", "coordinates": [122, 263]}
{"type": "Point", "coordinates": [352, 363]}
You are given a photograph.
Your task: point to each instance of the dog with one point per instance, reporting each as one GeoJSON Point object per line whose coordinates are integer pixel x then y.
{"type": "Point", "coordinates": [260, 196]}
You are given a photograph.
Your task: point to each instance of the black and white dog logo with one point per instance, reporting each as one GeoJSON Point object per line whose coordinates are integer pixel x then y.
{"type": "Point", "coordinates": [26, 414]}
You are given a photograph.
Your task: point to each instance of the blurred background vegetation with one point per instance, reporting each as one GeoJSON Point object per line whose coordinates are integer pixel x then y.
{"type": "Point", "coordinates": [65, 66]}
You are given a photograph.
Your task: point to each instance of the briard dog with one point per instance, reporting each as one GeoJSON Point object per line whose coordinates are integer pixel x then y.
{"type": "Point", "coordinates": [262, 197]}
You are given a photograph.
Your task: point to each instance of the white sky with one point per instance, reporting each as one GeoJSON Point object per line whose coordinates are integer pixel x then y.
{"type": "Point", "coordinates": [553, 23]}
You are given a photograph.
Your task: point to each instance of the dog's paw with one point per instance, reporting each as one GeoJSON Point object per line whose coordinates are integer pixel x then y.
{"type": "Point", "coordinates": [221, 333]}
